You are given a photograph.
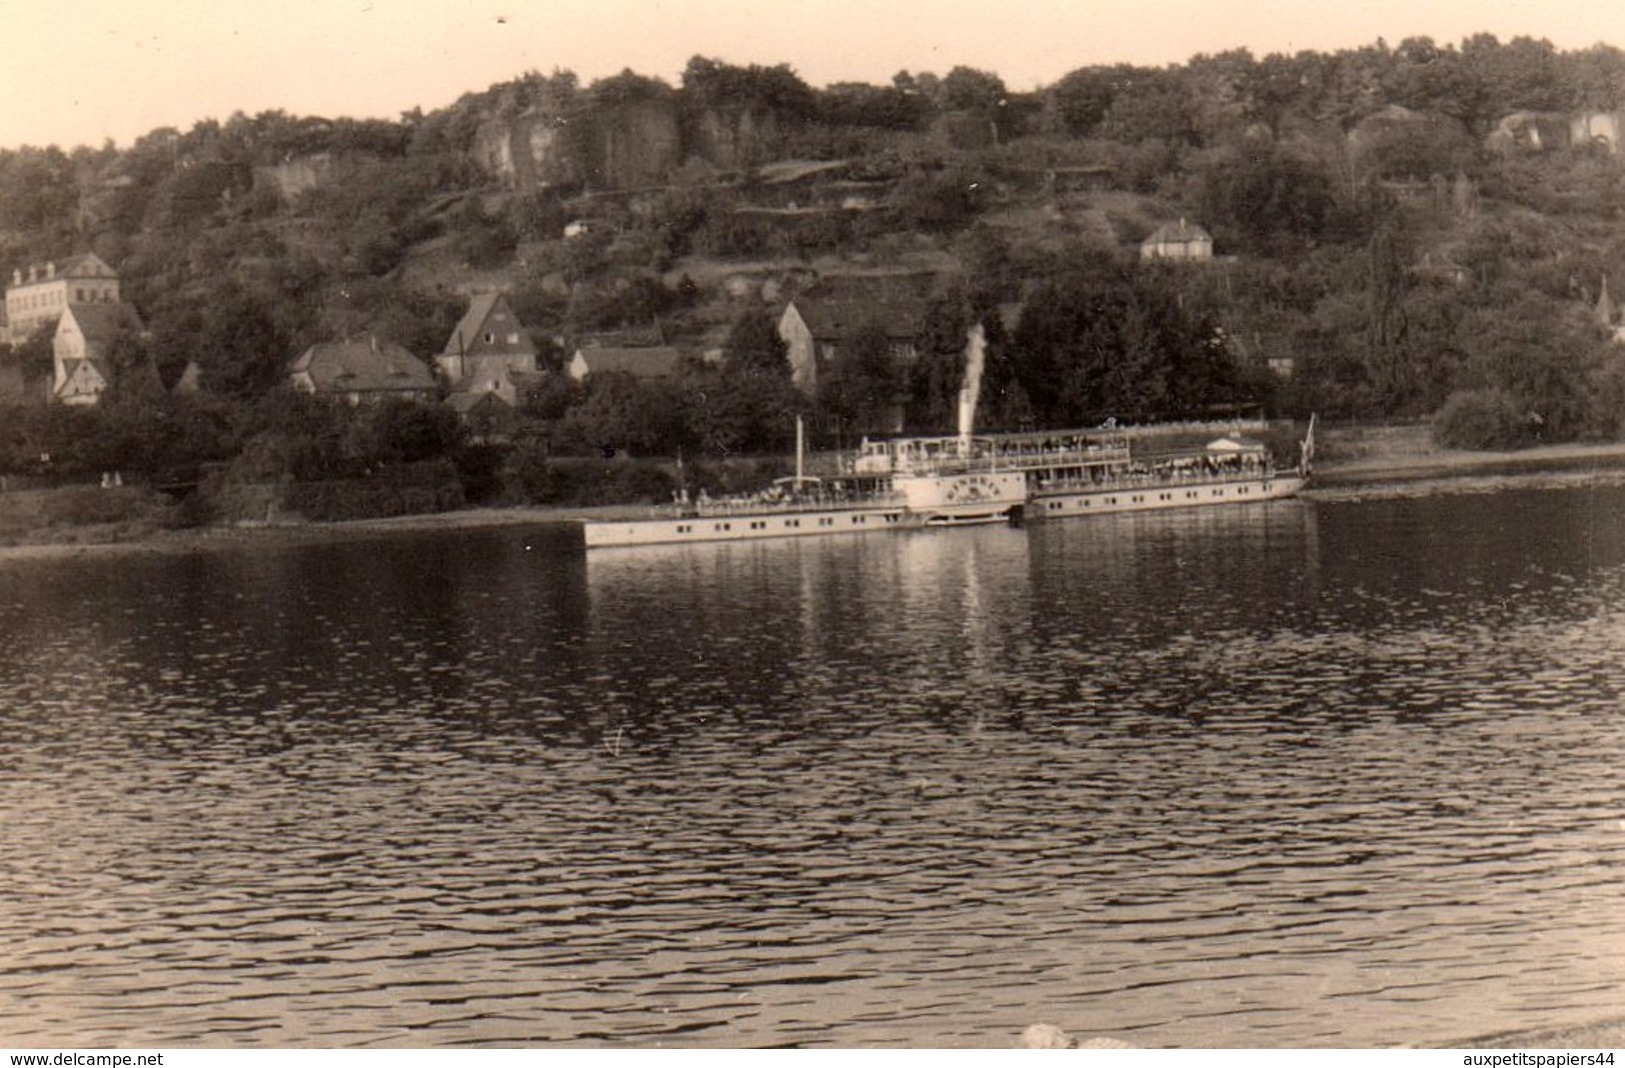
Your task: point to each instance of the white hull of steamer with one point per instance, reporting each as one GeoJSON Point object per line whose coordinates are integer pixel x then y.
{"type": "Point", "coordinates": [1063, 504]}
{"type": "Point", "coordinates": [920, 501]}
{"type": "Point", "coordinates": [744, 526]}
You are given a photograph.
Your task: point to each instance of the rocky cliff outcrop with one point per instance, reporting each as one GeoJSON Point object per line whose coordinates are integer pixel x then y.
{"type": "Point", "coordinates": [523, 150]}
{"type": "Point", "coordinates": [1544, 131]}
{"type": "Point", "coordinates": [629, 145]}
{"type": "Point", "coordinates": [735, 137]}
{"type": "Point", "coordinates": [622, 146]}
{"type": "Point", "coordinates": [292, 177]}
{"type": "Point", "coordinates": [1600, 127]}
{"type": "Point", "coordinates": [1529, 131]}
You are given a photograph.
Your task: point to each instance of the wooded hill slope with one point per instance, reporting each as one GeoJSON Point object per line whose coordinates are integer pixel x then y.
{"type": "Point", "coordinates": [1398, 230]}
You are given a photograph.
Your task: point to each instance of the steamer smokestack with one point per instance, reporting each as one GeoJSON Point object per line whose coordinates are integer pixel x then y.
{"type": "Point", "coordinates": [971, 390]}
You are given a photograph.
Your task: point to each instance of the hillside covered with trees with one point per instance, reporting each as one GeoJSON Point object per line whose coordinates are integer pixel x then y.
{"type": "Point", "coordinates": [1413, 231]}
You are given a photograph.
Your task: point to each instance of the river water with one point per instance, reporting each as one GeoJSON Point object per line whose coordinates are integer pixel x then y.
{"type": "Point", "coordinates": [1339, 771]}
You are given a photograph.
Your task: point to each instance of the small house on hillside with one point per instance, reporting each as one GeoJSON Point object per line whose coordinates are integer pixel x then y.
{"type": "Point", "coordinates": [652, 362]}
{"type": "Point", "coordinates": [1440, 270]}
{"type": "Point", "coordinates": [362, 371]}
{"type": "Point", "coordinates": [486, 349]}
{"type": "Point", "coordinates": [1182, 241]}
{"type": "Point", "coordinates": [81, 347]}
{"type": "Point", "coordinates": [829, 315]}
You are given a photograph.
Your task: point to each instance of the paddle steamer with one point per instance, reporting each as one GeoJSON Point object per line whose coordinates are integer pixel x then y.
{"type": "Point", "coordinates": [917, 483]}
{"type": "Point", "coordinates": [912, 483]}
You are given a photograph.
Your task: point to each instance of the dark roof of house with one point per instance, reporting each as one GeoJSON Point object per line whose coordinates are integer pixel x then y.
{"type": "Point", "coordinates": [69, 367]}
{"type": "Point", "coordinates": [363, 366]}
{"type": "Point", "coordinates": [840, 306]}
{"type": "Point", "coordinates": [488, 312]}
{"type": "Point", "coordinates": [466, 402]}
{"type": "Point", "coordinates": [84, 265]}
{"type": "Point", "coordinates": [99, 323]}
{"type": "Point", "coordinates": [658, 361]}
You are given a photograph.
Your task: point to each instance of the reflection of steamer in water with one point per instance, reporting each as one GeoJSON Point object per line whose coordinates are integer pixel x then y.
{"type": "Point", "coordinates": [912, 483]}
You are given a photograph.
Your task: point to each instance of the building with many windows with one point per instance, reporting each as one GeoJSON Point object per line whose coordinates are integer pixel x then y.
{"type": "Point", "coordinates": [39, 294]}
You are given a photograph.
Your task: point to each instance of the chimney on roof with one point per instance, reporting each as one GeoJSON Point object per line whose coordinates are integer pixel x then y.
{"type": "Point", "coordinates": [373, 339]}
{"type": "Point", "coordinates": [50, 269]}
{"type": "Point", "coordinates": [16, 277]}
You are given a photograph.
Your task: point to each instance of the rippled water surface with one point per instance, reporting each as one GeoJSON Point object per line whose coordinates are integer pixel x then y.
{"type": "Point", "coordinates": [1334, 771]}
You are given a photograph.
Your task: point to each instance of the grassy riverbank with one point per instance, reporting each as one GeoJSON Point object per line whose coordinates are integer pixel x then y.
{"type": "Point", "coordinates": [1404, 453]}
{"type": "Point", "coordinates": [79, 520]}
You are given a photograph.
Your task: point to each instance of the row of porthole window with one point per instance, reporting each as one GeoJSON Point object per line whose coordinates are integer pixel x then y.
{"type": "Point", "coordinates": [761, 524]}
{"type": "Point", "coordinates": [1189, 494]}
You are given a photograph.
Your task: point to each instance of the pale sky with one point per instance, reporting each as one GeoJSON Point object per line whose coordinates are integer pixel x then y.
{"type": "Point", "coordinates": [88, 70]}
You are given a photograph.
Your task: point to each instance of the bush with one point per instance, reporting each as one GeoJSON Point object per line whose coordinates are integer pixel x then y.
{"type": "Point", "coordinates": [479, 468]}
{"type": "Point", "coordinates": [87, 505]}
{"type": "Point", "coordinates": [532, 477]}
{"type": "Point", "coordinates": [485, 242]}
{"type": "Point", "coordinates": [941, 202]}
{"type": "Point", "coordinates": [406, 431]}
{"type": "Point", "coordinates": [721, 478]}
{"type": "Point", "coordinates": [1481, 419]}
{"type": "Point", "coordinates": [404, 489]}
